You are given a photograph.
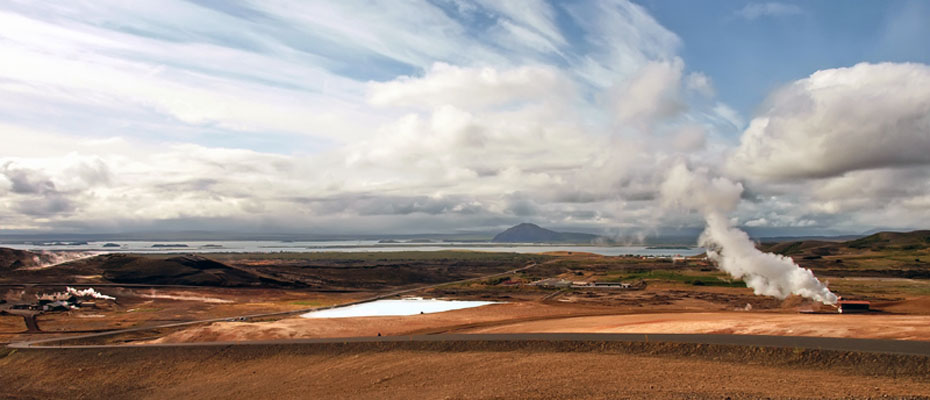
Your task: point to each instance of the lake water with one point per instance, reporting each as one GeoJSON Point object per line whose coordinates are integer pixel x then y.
{"type": "Point", "coordinates": [410, 306]}
{"type": "Point", "coordinates": [344, 246]}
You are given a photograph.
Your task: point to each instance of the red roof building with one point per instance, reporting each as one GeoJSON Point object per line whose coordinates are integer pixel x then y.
{"type": "Point", "coordinates": [853, 306]}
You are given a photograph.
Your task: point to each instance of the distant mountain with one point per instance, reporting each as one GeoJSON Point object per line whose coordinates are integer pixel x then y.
{"type": "Point", "coordinates": [532, 233]}
{"type": "Point", "coordinates": [821, 238]}
{"type": "Point", "coordinates": [887, 230]}
{"type": "Point", "coordinates": [916, 240]}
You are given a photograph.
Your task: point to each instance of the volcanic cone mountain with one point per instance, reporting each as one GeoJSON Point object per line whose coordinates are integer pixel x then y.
{"type": "Point", "coordinates": [532, 233]}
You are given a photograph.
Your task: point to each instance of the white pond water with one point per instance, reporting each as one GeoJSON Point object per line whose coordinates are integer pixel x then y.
{"type": "Point", "coordinates": [410, 306]}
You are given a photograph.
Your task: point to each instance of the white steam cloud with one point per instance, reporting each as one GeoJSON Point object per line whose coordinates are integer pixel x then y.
{"type": "Point", "coordinates": [730, 248]}
{"type": "Point", "coordinates": [89, 292]}
{"type": "Point", "coordinates": [70, 292]}
{"type": "Point", "coordinates": [47, 259]}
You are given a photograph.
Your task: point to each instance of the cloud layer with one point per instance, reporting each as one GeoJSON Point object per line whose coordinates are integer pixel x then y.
{"type": "Point", "coordinates": [863, 117]}
{"type": "Point", "coordinates": [422, 116]}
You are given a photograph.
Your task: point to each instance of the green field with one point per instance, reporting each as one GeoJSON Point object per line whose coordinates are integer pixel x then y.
{"type": "Point", "coordinates": [690, 277]}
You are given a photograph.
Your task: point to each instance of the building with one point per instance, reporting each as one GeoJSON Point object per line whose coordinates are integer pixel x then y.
{"type": "Point", "coordinates": [552, 282]}
{"type": "Point", "coordinates": [853, 306]}
{"type": "Point", "coordinates": [619, 285]}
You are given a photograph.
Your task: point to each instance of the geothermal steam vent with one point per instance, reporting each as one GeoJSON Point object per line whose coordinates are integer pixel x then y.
{"type": "Point", "coordinates": [730, 248]}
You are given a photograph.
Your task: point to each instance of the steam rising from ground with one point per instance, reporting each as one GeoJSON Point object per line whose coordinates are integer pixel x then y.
{"type": "Point", "coordinates": [730, 248]}
{"type": "Point", "coordinates": [89, 292]}
{"type": "Point", "coordinates": [183, 296]}
{"type": "Point", "coordinates": [70, 292]}
{"type": "Point", "coordinates": [47, 259]}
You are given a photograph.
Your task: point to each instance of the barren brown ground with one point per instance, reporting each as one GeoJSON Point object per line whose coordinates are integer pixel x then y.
{"type": "Point", "coordinates": [137, 307]}
{"type": "Point", "coordinates": [297, 327]}
{"type": "Point", "coordinates": [902, 327]}
{"type": "Point", "coordinates": [286, 371]}
{"type": "Point", "coordinates": [542, 317]}
{"type": "Point", "coordinates": [252, 372]}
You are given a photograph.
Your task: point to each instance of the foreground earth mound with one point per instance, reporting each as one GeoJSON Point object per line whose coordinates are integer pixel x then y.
{"type": "Point", "coordinates": [286, 372]}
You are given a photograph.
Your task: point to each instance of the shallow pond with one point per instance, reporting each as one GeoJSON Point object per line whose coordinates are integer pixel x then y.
{"type": "Point", "coordinates": [410, 306]}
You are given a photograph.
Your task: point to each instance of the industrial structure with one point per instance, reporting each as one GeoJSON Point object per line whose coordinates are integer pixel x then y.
{"type": "Point", "coordinates": [852, 306]}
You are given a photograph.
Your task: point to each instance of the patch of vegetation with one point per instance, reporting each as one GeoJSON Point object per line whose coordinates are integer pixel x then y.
{"type": "Point", "coordinates": [680, 277]}
{"type": "Point", "coordinates": [880, 287]}
{"type": "Point", "coordinates": [907, 241]}
{"type": "Point", "coordinates": [791, 249]}
{"type": "Point", "coordinates": [888, 260]}
{"type": "Point", "coordinates": [494, 281]}
{"type": "Point", "coordinates": [866, 242]}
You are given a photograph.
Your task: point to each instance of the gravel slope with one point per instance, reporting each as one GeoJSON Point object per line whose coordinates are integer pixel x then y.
{"type": "Point", "coordinates": [454, 371]}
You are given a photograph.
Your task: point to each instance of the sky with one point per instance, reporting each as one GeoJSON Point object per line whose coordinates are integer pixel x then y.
{"type": "Point", "coordinates": [450, 116]}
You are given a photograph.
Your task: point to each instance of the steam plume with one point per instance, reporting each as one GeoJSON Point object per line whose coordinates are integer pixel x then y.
{"type": "Point", "coordinates": [70, 291]}
{"type": "Point", "coordinates": [89, 292]}
{"type": "Point", "coordinates": [730, 248]}
{"type": "Point", "coordinates": [47, 259]}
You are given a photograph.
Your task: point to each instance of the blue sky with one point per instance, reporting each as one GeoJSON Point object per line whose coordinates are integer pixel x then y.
{"type": "Point", "coordinates": [748, 58]}
{"type": "Point", "coordinates": [459, 115]}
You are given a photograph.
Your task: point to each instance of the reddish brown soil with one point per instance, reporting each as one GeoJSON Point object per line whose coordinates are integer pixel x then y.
{"type": "Point", "coordinates": [283, 372]}
{"type": "Point", "coordinates": [902, 327]}
{"type": "Point", "coordinates": [296, 327]}
{"type": "Point", "coordinates": [544, 317]}
{"type": "Point", "coordinates": [913, 305]}
{"type": "Point", "coordinates": [148, 307]}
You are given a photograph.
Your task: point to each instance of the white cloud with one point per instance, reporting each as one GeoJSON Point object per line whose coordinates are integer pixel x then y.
{"type": "Point", "coordinates": [93, 66]}
{"type": "Point", "coordinates": [414, 32]}
{"type": "Point", "coordinates": [700, 83]}
{"type": "Point", "coordinates": [689, 138]}
{"type": "Point", "coordinates": [537, 15]}
{"type": "Point", "coordinates": [728, 115]}
{"type": "Point", "coordinates": [769, 9]}
{"type": "Point", "coordinates": [471, 87]}
{"type": "Point", "coordinates": [133, 118]}
{"type": "Point", "coordinates": [699, 190]}
{"type": "Point", "coordinates": [624, 38]}
{"type": "Point", "coordinates": [651, 95]}
{"type": "Point", "coordinates": [528, 24]}
{"type": "Point", "coordinates": [840, 120]}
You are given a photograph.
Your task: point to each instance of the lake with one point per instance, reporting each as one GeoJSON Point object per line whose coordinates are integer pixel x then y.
{"type": "Point", "coordinates": [346, 246]}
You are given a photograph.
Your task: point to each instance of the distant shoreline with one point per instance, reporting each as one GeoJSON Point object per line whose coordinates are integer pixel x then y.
{"type": "Point", "coordinates": [177, 247]}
